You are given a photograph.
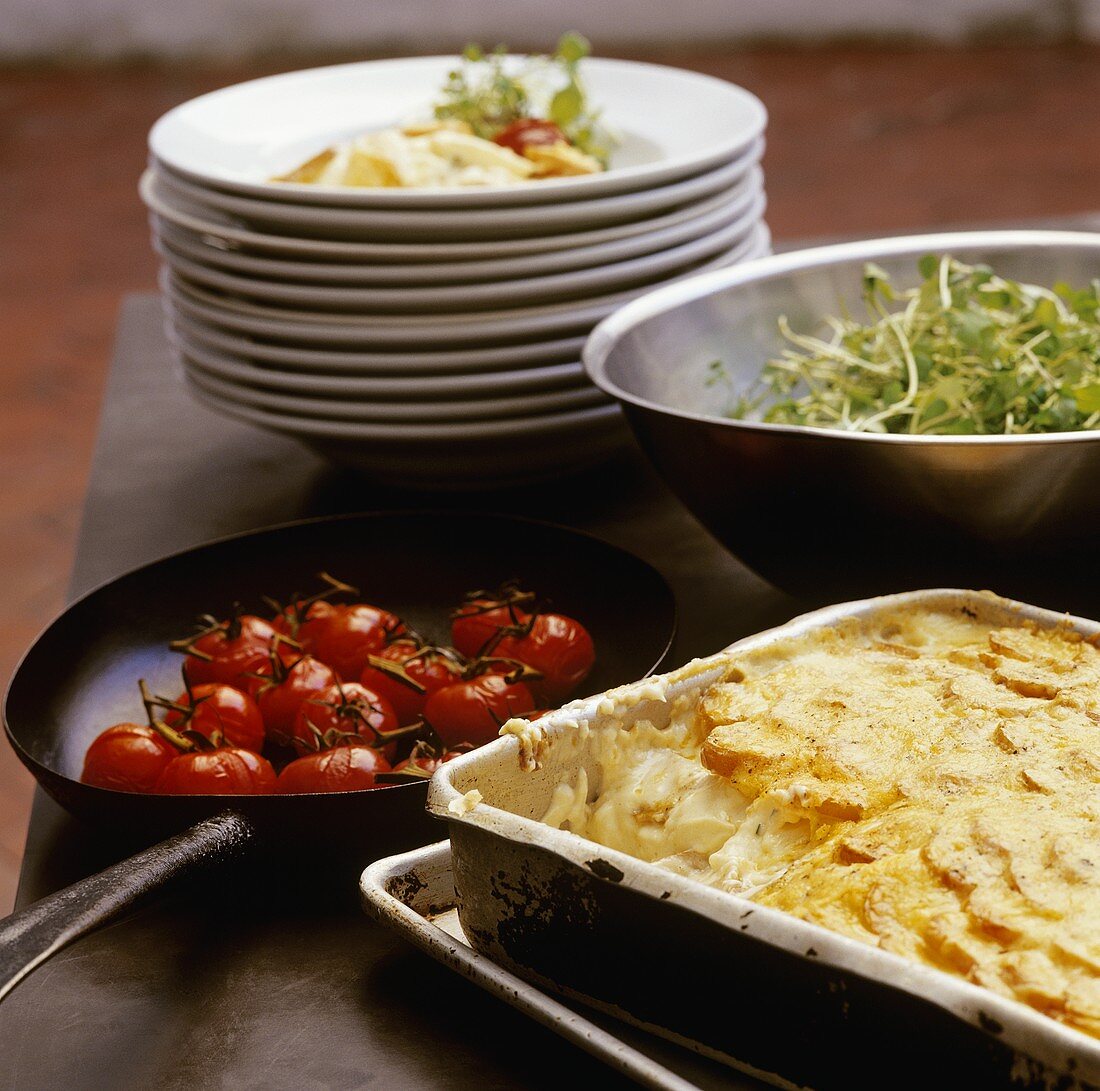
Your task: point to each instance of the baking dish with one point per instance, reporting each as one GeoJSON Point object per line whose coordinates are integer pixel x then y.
{"type": "Point", "coordinates": [763, 991]}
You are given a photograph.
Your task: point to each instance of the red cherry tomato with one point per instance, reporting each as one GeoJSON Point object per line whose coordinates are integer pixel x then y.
{"type": "Point", "coordinates": [425, 762]}
{"type": "Point", "coordinates": [301, 620]}
{"type": "Point", "coordinates": [345, 636]}
{"type": "Point", "coordinates": [476, 623]}
{"type": "Point", "coordinates": [347, 712]}
{"type": "Point", "coordinates": [472, 711]}
{"type": "Point", "coordinates": [282, 695]}
{"type": "Point", "coordinates": [341, 769]}
{"type": "Point", "coordinates": [217, 708]}
{"type": "Point", "coordinates": [528, 131]}
{"type": "Point", "coordinates": [229, 650]}
{"type": "Point", "coordinates": [406, 672]}
{"type": "Point", "coordinates": [558, 647]}
{"type": "Point", "coordinates": [128, 758]}
{"type": "Point", "coordinates": [229, 771]}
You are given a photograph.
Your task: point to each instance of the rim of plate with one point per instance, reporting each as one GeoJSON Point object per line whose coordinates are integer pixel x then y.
{"type": "Point", "coordinates": [392, 387]}
{"type": "Point", "coordinates": [201, 138]}
{"type": "Point", "coordinates": [488, 360]}
{"type": "Point", "coordinates": [233, 231]}
{"type": "Point", "coordinates": [445, 411]}
{"type": "Point", "coordinates": [474, 320]}
{"type": "Point", "coordinates": [457, 298]}
{"type": "Point", "coordinates": [711, 214]}
{"type": "Point", "coordinates": [520, 429]}
{"type": "Point", "coordinates": [431, 225]}
{"type": "Point", "coordinates": [391, 330]}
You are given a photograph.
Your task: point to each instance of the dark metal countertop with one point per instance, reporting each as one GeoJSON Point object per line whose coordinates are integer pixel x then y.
{"type": "Point", "coordinates": [261, 978]}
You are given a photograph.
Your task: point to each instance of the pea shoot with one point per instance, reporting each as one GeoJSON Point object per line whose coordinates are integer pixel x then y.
{"type": "Point", "coordinates": [966, 352]}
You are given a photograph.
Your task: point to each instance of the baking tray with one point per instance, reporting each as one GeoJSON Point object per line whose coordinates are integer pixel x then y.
{"type": "Point", "coordinates": [414, 894]}
{"type": "Point", "coordinates": [744, 983]}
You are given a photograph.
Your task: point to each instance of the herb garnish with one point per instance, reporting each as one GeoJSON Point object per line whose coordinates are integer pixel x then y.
{"type": "Point", "coordinates": [488, 94]}
{"type": "Point", "coordinates": [967, 352]}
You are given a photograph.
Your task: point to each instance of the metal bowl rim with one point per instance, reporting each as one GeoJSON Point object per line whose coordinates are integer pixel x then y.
{"type": "Point", "coordinates": [622, 321]}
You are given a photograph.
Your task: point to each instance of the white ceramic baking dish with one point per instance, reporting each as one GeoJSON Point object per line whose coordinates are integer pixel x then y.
{"type": "Point", "coordinates": [784, 999]}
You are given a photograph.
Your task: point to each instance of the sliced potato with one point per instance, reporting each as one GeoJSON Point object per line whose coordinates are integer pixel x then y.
{"type": "Point", "coordinates": [560, 160]}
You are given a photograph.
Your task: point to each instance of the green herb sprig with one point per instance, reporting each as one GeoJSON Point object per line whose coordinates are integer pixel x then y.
{"type": "Point", "coordinates": [966, 352]}
{"type": "Point", "coordinates": [484, 94]}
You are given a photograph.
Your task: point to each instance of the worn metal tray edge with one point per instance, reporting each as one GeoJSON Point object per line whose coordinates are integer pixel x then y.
{"type": "Point", "coordinates": [405, 891]}
{"type": "Point", "coordinates": [1074, 1056]}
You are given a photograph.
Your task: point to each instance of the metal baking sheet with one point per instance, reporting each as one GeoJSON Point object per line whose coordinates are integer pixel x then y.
{"type": "Point", "coordinates": [414, 894]}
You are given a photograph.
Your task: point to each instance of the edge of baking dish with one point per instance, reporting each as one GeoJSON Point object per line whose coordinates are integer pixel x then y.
{"type": "Point", "coordinates": [596, 923]}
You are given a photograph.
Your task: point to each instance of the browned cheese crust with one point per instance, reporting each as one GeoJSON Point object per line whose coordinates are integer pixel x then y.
{"type": "Point", "coordinates": [950, 774]}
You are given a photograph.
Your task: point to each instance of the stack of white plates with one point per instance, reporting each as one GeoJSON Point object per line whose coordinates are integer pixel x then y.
{"type": "Point", "coordinates": [432, 336]}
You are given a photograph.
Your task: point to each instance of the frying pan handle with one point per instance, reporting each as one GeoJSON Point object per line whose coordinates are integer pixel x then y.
{"type": "Point", "coordinates": [32, 935]}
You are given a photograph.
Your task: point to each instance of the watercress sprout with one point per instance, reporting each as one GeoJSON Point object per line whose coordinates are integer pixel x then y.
{"type": "Point", "coordinates": [965, 352]}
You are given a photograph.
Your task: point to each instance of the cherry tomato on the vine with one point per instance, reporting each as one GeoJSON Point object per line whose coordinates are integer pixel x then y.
{"type": "Point", "coordinates": [128, 758]}
{"type": "Point", "coordinates": [340, 769]}
{"type": "Point", "coordinates": [215, 708]}
{"type": "Point", "coordinates": [281, 696]}
{"type": "Point", "coordinates": [425, 762]}
{"type": "Point", "coordinates": [473, 710]}
{"type": "Point", "coordinates": [527, 132]}
{"type": "Point", "coordinates": [556, 646]}
{"type": "Point", "coordinates": [300, 620]}
{"type": "Point", "coordinates": [228, 650]}
{"type": "Point", "coordinates": [348, 712]}
{"type": "Point", "coordinates": [407, 672]}
{"type": "Point", "coordinates": [345, 637]}
{"type": "Point", "coordinates": [479, 620]}
{"type": "Point", "coordinates": [226, 771]}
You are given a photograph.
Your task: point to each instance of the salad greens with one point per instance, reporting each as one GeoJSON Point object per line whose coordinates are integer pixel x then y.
{"type": "Point", "coordinates": [488, 94]}
{"type": "Point", "coordinates": [966, 352]}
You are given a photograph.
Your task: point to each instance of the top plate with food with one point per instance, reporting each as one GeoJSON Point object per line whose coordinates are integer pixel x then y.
{"type": "Point", "coordinates": [652, 125]}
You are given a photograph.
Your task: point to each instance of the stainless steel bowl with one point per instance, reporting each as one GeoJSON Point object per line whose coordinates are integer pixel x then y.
{"type": "Point", "coordinates": [822, 513]}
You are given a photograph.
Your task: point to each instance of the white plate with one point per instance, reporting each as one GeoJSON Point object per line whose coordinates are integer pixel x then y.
{"type": "Point", "coordinates": [446, 225]}
{"type": "Point", "coordinates": [374, 331]}
{"type": "Point", "coordinates": [220, 229]}
{"type": "Point", "coordinates": [519, 431]}
{"type": "Point", "coordinates": [498, 453]}
{"type": "Point", "coordinates": [487, 360]}
{"type": "Point", "coordinates": [473, 297]}
{"type": "Point", "coordinates": [672, 124]}
{"type": "Point", "coordinates": [460, 411]}
{"type": "Point", "coordinates": [709, 215]}
{"type": "Point", "coordinates": [410, 388]}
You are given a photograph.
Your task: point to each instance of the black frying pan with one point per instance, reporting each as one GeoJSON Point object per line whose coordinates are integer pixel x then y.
{"type": "Point", "coordinates": [81, 675]}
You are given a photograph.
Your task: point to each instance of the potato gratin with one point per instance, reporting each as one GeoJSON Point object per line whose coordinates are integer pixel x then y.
{"type": "Point", "coordinates": [926, 783]}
